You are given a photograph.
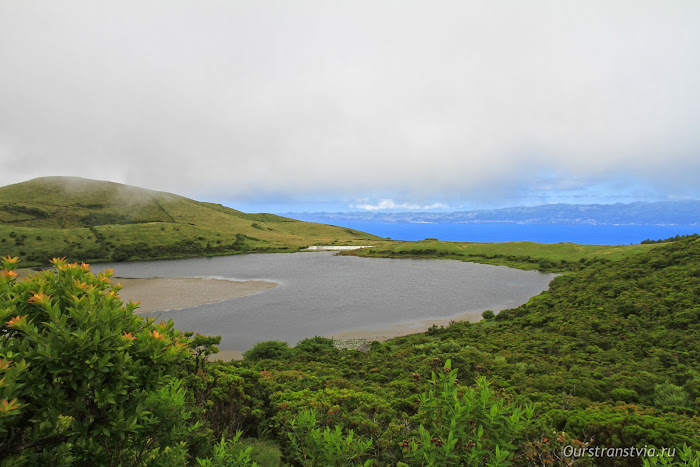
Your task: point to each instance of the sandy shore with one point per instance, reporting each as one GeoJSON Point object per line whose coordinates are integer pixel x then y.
{"type": "Point", "coordinates": [161, 294]}
{"type": "Point", "coordinates": [403, 329]}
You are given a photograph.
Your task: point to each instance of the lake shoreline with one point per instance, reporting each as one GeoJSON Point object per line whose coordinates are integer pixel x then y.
{"type": "Point", "coordinates": [160, 294]}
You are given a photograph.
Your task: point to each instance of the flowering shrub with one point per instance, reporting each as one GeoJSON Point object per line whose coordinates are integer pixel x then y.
{"type": "Point", "coordinates": [81, 376]}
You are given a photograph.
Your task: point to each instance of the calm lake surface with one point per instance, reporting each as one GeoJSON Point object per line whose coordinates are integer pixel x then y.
{"type": "Point", "coordinates": [322, 294]}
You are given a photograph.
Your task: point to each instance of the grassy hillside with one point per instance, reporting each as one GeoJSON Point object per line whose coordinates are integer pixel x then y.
{"type": "Point", "coordinates": [95, 220]}
{"type": "Point", "coordinates": [557, 257]}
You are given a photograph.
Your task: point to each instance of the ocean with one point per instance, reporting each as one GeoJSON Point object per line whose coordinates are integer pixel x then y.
{"type": "Point", "coordinates": [540, 233]}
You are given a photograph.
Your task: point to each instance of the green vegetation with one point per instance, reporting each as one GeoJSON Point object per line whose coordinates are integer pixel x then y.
{"type": "Point", "coordinates": [671, 239]}
{"type": "Point", "coordinates": [85, 380]}
{"type": "Point", "coordinates": [469, 427]}
{"type": "Point", "coordinates": [557, 257]}
{"type": "Point", "coordinates": [607, 357]}
{"type": "Point", "coordinates": [86, 220]}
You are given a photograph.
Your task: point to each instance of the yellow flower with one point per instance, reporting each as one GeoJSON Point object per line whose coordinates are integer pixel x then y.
{"type": "Point", "coordinates": [156, 334]}
{"type": "Point", "coordinates": [11, 260]}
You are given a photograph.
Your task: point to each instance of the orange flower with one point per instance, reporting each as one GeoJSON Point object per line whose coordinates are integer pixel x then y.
{"type": "Point", "coordinates": [156, 334]}
{"type": "Point", "coordinates": [16, 320]}
{"type": "Point", "coordinates": [11, 405]}
{"type": "Point", "coordinates": [127, 335]}
{"type": "Point", "coordinates": [10, 274]}
{"type": "Point", "coordinates": [84, 266]}
{"type": "Point", "coordinates": [39, 298]}
{"type": "Point", "coordinates": [60, 263]}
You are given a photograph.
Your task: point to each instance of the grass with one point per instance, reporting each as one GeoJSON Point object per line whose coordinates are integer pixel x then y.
{"type": "Point", "coordinates": [556, 257]}
{"type": "Point", "coordinates": [98, 221]}
{"type": "Point", "coordinates": [265, 453]}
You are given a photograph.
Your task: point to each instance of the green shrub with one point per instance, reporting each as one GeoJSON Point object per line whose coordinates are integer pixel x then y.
{"type": "Point", "coordinates": [226, 453]}
{"type": "Point", "coordinates": [488, 314]}
{"type": "Point", "coordinates": [82, 378]}
{"type": "Point", "coordinates": [313, 446]}
{"type": "Point", "coordinates": [624, 394]}
{"type": "Point", "coordinates": [669, 395]}
{"type": "Point", "coordinates": [466, 426]}
{"type": "Point", "coordinates": [315, 344]}
{"type": "Point", "coordinates": [685, 456]}
{"type": "Point", "coordinates": [268, 350]}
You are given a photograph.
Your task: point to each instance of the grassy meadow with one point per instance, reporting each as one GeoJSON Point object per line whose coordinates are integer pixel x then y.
{"type": "Point", "coordinates": [555, 257]}
{"type": "Point", "coordinates": [101, 221]}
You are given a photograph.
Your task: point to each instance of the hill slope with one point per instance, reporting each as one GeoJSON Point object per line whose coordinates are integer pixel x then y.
{"type": "Point", "coordinates": [96, 220]}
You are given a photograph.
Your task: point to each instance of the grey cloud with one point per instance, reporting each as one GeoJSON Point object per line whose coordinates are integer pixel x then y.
{"type": "Point", "coordinates": [460, 99]}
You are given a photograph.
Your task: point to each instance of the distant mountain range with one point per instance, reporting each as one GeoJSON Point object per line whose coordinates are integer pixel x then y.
{"type": "Point", "coordinates": [685, 212]}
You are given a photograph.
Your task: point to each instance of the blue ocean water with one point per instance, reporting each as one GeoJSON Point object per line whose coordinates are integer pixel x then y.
{"type": "Point", "coordinates": [541, 233]}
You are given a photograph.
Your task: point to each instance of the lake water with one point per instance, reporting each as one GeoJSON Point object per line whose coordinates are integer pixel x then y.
{"type": "Point", "coordinates": [541, 233]}
{"type": "Point", "coordinates": [323, 294]}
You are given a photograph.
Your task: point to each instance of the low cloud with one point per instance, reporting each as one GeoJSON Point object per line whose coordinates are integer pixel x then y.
{"type": "Point", "coordinates": [386, 204]}
{"type": "Point", "coordinates": [460, 102]}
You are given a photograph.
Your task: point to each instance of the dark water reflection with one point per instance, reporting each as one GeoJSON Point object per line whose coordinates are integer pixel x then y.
{"type": "Point", "coordinates": [323, 294]}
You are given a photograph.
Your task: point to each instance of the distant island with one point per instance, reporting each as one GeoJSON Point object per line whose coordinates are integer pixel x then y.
{"type": "Point", "coordinates": [685, 212]}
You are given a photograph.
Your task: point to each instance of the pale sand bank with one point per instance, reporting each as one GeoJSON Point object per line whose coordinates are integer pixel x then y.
{"type": "Point", "coordinates": [162, 294]}
{"type": "Point", "coordinates": [403, 329]}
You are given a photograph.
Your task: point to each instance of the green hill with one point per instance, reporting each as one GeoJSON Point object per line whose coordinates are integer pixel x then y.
{"type": "Point", "coordinates": [95, 220]}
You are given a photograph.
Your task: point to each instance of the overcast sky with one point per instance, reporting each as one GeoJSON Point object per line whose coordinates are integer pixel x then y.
{"type": "Point", "coordinates": [350, 105]}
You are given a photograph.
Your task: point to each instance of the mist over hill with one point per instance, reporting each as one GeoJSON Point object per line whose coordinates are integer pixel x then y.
{"type": "Point", "coordinates": [686, 212]}
{"type": "Point", "coordinates": [93, 220]}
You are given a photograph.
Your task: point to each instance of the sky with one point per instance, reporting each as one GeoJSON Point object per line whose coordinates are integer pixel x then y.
{"type": "Point", "coordinates": [283, 106]}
